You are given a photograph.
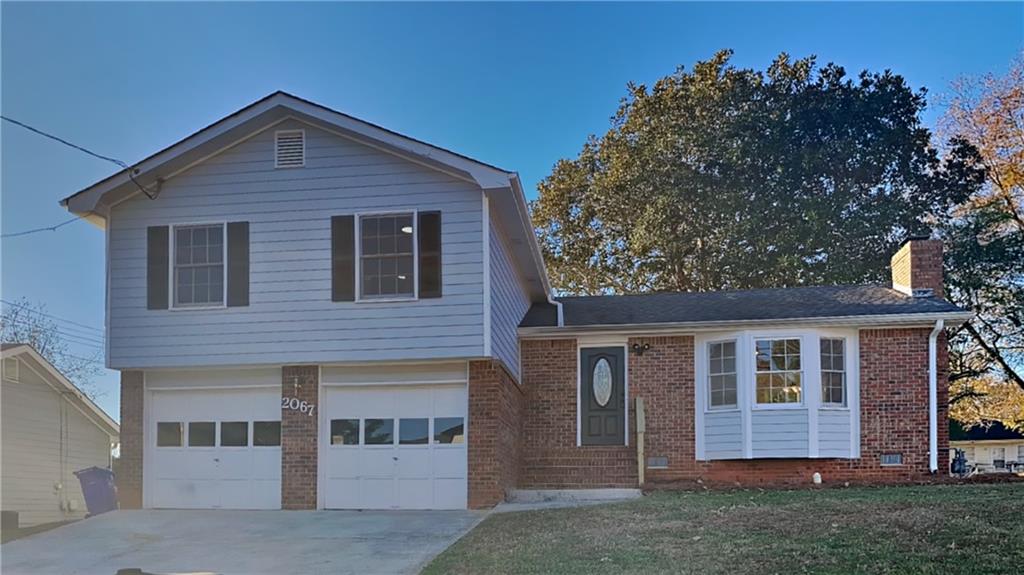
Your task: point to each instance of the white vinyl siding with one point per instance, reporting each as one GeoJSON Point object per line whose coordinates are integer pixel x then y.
{"type": "Point", "coordinates": [779, 433]}
{"type": "Point", "coordinates": [37, 471]}
{"type": "Point", "coordinates": [509, 302]}
{"type": "Point", "coordinates": [291, 318]}
{"type": "Point", "coordinates": [723, 435]}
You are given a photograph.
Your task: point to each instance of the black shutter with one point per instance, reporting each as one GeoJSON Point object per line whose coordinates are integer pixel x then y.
{"type": "Point", "coordinates": [238, 264]}
{"type": "Point", "coordinates": [429, 230]}
{"type": "Point", "coordinates": [157, 262]}
{"type": "Point", "coordinates": [343, 258]}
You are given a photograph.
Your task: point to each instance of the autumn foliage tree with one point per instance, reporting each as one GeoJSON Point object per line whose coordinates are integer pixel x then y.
{"type": "Point", "coordinates": [985, 251]}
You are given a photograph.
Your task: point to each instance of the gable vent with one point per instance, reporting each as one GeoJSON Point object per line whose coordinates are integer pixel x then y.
{"type": "Point", "coordinates": [290, 149]}
{"type": "Point", "coordinates": [11, 369]}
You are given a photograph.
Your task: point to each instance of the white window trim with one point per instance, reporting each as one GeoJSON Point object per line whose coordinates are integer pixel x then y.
{"type": "Point", "coordinates": [826, 405]}
{"type": "Point", "coordinates": [802, 404]}
{"type": "Point", "coordinates": [707, 375]}
{"type": "Point", "coordinates": [590, 342]}
{"type": "Point", "coordinates": [277, 160]}
{"type": "Point", "coordinates": [172, 291]}
{"type": "Point", "coordinates": [746, 385]}
{"type": "Point", "coordinates": [415, 257]}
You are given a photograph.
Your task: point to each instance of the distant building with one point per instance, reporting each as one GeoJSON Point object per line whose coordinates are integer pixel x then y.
{"type": "Point", "coordinates": [991, 448]}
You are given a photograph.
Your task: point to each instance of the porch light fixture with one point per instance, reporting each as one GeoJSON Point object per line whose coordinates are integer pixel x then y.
{"type": "Point", "coordinates": [639, 348]}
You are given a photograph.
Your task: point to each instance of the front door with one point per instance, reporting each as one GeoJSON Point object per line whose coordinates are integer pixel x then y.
{"type": "Point", "coordinates": [603, 396]}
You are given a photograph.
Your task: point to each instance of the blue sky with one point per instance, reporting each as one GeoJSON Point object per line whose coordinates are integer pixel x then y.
{"type": "Point", "coordinates": [516, 85]}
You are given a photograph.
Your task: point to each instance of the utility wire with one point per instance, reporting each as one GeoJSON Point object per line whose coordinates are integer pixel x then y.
{"type": "Point", "coordinates": [27, 306]}
{"type": "Point", "coordinates": [71, 336]}
{"type": "Point", "coordinates": [130, 171]}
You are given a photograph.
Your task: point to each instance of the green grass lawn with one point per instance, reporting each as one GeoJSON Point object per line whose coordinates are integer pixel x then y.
{"type": "Point", "coordinates": [941, 529]}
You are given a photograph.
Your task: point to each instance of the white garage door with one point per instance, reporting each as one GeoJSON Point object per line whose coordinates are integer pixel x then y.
{"type": "Point", "coordinates": [390, 447]}
{"type": "Point", "coordinates": [214, 449]}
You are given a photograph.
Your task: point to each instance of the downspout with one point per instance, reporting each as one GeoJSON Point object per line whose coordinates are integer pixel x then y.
{"type": "Point", "coordinates": [933, 398]}
{"type": "Point", "coordinates": [558, 308]}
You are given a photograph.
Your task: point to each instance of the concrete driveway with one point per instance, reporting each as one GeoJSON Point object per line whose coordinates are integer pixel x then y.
{"type": "Point", "coordinates": [242, 542]}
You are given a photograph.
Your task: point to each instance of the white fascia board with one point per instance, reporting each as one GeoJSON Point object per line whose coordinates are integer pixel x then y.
{"type": "Point", "coordinates": [863, 321]}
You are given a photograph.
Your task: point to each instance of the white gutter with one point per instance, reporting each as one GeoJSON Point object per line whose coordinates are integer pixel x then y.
{"type": "Point", "coordinates": [864, 321]}
{"type": "Point", "coordinates": [933, 398]}
{"type": "Point", "coordinates": [558, 307]}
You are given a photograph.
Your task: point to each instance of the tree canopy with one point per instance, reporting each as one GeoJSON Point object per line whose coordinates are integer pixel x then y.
{"type": "Point", "coordinates": [722, 177]}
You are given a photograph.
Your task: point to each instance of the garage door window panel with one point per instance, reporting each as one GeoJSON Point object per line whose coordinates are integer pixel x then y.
{"type": "Point", "coordinates": [234, 434]}
{"type": "Point", "coordinates": [413, 431]}
{"type": "Point", "coordinates": [448, 430]}
{"type": "Point", "coordinates": [266, 434]}
{"type": "Point", "coordinates": [202, 433]}
{"type": "Point", "coordinates": [344, 432]}
{"type": "Point", "coordinates": [169, 434]}
{"type": "Point", "coordinates": [379, 432]}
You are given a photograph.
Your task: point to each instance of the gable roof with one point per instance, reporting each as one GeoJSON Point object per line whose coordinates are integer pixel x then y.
{"type": "Point", "coordinates": [989, 431]}
{"type": "Point", "coordinates": [62, 383]}
{"type": "Point", "coordinates": [502, 187]}
{"type": "Point", "coordinates": [833, 304]}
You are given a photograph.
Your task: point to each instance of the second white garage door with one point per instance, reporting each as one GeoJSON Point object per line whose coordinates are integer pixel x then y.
{"type": "Point", "coordinates": [394, 447]}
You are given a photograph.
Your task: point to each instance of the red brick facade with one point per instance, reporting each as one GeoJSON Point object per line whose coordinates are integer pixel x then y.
{"type": "Point", "coordinates": [129, 464]}
{"type": "Point", "coordinates": [894, 418]}
{"type": "Point", "coordinates": [918, 265]}
{"type": "Point", "coordinates": [495, 431]}
{"type": "Point", "coordinates": [299, 438]}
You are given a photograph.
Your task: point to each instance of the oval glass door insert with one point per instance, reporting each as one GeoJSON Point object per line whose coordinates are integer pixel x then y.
{"type": "Point", "coordinates": [602, 382]}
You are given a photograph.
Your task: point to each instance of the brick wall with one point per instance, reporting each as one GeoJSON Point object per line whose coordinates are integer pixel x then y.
{"type": "Point", "coordinates": [918, 265]}
{"type": "Point", "coordinates": [495, 431]}
{"type": "Point", "coordinates": [894, 418]}
{"type": "Point", "coordinates": [299, 438]}
{"type": "Point", "coordinates": [129, 465]}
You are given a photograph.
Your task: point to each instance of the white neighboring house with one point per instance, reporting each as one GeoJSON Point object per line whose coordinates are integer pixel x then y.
{"type": "Point", "coordinates": [48, 430]}
{"type": "Point", "coordinates": [989, 448]}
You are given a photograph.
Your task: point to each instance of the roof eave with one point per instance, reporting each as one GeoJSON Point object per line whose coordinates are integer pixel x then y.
{"type": "Point", "coordinates": [926, 319]}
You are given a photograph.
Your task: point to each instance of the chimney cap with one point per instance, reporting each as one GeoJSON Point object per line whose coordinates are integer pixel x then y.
{"type": "Point", "coordinates": [915, 236]}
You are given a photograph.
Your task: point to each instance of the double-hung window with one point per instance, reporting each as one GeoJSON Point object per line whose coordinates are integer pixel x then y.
{"type": "Point", "coordinates": [199, 265]}
{"type": "Point", "coordinates": [387, 256]}
{"type": "Point", "coordinates": [722, 374]}
{"type": "Point", "coordinates": [778, 375]}
{"type": "Point", "coordinates": [833, 372]}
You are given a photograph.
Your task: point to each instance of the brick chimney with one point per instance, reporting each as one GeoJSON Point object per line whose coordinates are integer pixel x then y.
{"type": "Point", "coordinates": [917, 267]}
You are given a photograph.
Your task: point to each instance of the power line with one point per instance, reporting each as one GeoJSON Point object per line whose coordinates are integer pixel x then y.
{"type": "Point", "coordinates": [45, 229]}
{"type": "Point", "coordinates": [26, 306]}
{"type": "Point", "coordinates": [77, 338]}
{"type": "Point", "coordinates": [123, 165]}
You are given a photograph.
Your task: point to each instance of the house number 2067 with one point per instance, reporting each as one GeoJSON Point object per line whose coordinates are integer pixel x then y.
{"type": "Point", "coordinates": [300, 406]}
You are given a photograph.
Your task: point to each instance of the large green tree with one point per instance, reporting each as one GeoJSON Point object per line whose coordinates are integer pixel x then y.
{"type": "Point", "coordinates": [722, 177]}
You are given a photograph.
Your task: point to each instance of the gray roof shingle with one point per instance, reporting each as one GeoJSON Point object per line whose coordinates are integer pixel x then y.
{"type": "Point", "coordinates": [734, 305]}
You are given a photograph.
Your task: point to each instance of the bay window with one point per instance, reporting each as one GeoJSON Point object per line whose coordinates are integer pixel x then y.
{"type": "Point", "coordinates": [779, 379]}
{"type": "Point", "coordinates": [833, 372]}
{"type": "Point", "coordinates": [722, 374]}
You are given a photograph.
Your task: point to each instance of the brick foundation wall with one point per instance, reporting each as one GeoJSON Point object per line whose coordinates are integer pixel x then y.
{"type": "Point", "coordinates": [495, 430]}
{"type": "Point", "coordinates": [129, 465]}
{"type": "Point", "coordinates": [299, 438]}
{"type": "Point", "coordinates": [894, 418]}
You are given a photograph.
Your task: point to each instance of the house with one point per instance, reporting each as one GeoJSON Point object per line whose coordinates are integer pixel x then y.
{"type": "Point", "coordinates": [310, 311]}
{"type": "Point", "coordinates": [49, 430]}
{"type": "Point", "coordinates": [989, 448]}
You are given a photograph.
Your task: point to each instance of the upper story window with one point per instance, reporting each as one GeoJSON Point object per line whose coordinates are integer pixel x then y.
{"type": "Point", "coordinates": [199, 265]}
{"type": "Point", "coordinates": [387, 256]}
{"type": "Point", "coordinates": [833, 371]}
{"type": "Point", "coordinates": [722, 374]}
{"type": "Point", "coordinates": [778, 374]}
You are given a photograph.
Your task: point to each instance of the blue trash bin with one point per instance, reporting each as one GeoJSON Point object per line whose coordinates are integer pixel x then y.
{"type": "Point", "coordinates": [98, 489]}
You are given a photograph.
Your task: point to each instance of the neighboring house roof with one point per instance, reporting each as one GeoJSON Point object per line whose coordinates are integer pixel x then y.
{"type": "Point", "coordinates": [991, 431]}
{"type": "Point", "coordinates": [502, 187]}
{"type": "Point", "coordinates": [846, 303]}
{"type": "Point", "coordinates": [57, 379]}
